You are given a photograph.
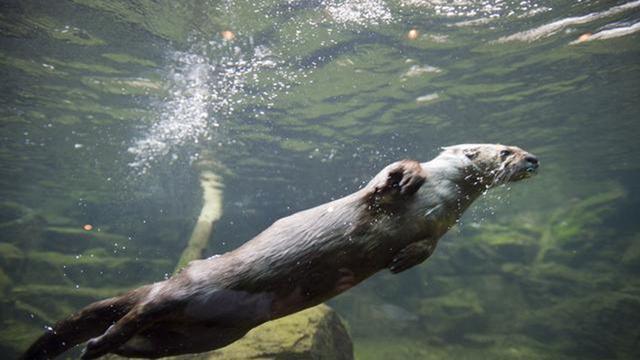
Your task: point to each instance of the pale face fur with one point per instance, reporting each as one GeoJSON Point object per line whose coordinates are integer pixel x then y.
{"type": "Point", "coordinates": [492, 164]}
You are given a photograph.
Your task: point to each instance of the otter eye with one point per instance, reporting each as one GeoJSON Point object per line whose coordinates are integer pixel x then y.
{"type": "Point", "coordinates": [505, 153]}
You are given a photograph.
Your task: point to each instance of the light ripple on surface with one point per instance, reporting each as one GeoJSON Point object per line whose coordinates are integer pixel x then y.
{"type": "Point", "coordinates": [553, 27]}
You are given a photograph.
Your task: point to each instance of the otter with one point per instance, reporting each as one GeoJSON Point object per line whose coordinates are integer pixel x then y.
{"type": "Point", "coordinates": [394, 223]}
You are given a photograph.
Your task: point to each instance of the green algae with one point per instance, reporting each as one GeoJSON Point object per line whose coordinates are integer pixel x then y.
{"type": "Point", "coordinates": [83, 67]}
{"type": "Point", "coordinates": [453, 314]}
{"type": "Point", "coordinates": [76, 36]}
{"type": "Point", "coordinates": [168, 20]}
{"type": "Point", "coordinates": [568, 225]}
{"type": "Point", "coordinates": [29, 24]}
{"type": "Point", "coordinates": [502, 347]}
{"type": "Point", "coordinates": [93, 264]}
{"type": "Point", "coordinates": [5, 283]}
{"type": "Point", "coordinates": [631, 257]}
{"type": "Point", "coordinates": [30, 67]}
{"type": "Point", "coordinates": [10, 256]}
{"type": "Point", "coordinates": [296, 145]}
{"type": "Point", "coordinates": [124, 86]}
{"type": "Point", "coordinates": [73, 239]}
{"type": "Point", "coordinates": [128, 59]}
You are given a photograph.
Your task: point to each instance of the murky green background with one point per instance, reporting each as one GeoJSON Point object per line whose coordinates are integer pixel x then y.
{"type": "Point", "coordinates": [107, 106]}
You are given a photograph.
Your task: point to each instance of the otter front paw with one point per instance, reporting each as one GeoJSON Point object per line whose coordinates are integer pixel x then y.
{"type": "Point", "coordinates": [400, 178]}
{"type": "Point", "coordinates": [410, 256]}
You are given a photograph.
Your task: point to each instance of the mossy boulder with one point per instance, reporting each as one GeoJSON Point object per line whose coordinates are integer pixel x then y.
{"type": "Point", "coordinates": [313, 334]}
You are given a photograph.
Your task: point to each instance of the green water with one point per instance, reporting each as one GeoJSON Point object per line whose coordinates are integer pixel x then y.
{"type": "Point", "coordinates": [107, 107]}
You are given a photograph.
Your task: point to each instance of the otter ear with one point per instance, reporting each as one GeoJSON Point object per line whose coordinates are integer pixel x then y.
{"type": "Point", "coordinates": [471, 153]}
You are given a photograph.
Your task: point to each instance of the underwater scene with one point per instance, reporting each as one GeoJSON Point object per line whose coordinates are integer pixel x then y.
{"type": "Point", "coordinates": [137, 135]}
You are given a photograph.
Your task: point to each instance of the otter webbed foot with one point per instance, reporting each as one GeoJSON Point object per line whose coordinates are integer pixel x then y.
{"type": "Point", "coordinates": [139, 317]}
{"type": "Point", "coordinates": [116, 335]}
{"type": "Point", "coordinates": [400, 179]}
{"type": "Point", "coordinates": [411, 255]}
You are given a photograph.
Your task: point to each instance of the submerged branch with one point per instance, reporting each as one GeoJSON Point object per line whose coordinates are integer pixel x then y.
{"type": "Point", "coordinates": [210, 213]}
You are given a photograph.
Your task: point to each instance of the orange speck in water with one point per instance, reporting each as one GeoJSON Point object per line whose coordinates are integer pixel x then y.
{"type": "Point", "coordinates": [413, 34]}
{"type": "Point", "coordinates": [88, 227]}
{"type": "Point", "coordinates": [584, 37]}
{"type": "Point", "coordinates": [228, 35]}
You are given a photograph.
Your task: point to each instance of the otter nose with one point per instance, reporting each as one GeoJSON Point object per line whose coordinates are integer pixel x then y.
{"type": "Point", "coordinates": [532, 160]}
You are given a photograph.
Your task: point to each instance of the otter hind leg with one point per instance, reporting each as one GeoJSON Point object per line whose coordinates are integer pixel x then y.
{"type": "Point", "coordinates": [139, 317]}
{"type": "Point", "coordinates": [91, 321]}
{"type": "Point", "coordinates": [115, 335]}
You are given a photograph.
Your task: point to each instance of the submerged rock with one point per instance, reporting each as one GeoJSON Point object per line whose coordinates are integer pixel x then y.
{"type": "Point", "coordinates": [315, 333]}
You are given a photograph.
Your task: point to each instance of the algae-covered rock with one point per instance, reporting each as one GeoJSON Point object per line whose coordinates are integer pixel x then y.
{"type": "Point", "coordinates": [316, 333]}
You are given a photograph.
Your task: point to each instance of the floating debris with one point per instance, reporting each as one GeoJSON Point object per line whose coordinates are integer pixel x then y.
{"type": "Point", "coordinates": [427, 98]}
{"type": "Point", "coordinates": [227, 35]}
{"type": "Point", "coordinates": [418, 70]}
{"type": "Point", "coordinates": [608, 34]}
{"type": "Point", "coordinates": [584, 37]}
{"type": "Point", "coordinates": [88, 227]}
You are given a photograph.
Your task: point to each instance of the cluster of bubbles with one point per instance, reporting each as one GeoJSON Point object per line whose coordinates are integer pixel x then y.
{"type": "Point", "coordinates": [359, 12]}
{"type": "Point", "coordinates": [206, 85]}
{"type": "Point", "coordinates": [479, 8]}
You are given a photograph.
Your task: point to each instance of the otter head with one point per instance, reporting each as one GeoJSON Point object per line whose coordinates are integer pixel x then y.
{"type": "Point", "coordinates": [493, 164]}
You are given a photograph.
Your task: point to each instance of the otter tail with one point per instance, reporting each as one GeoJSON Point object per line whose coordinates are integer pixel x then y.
{"type": "Point", "coordinates": [88, 323]}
